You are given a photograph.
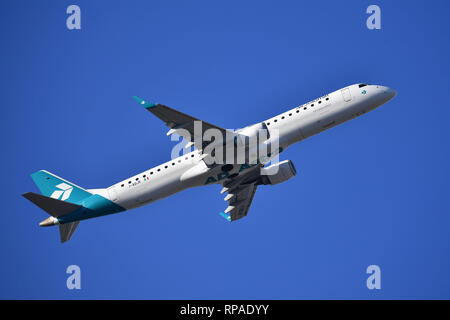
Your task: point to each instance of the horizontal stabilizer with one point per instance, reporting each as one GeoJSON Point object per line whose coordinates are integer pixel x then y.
{"type": "Point", "coordinates": [53, 207]}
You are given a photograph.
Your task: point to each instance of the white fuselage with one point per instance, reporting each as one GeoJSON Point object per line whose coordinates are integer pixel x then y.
{"type": "Point", "coordinates": [292, 126]}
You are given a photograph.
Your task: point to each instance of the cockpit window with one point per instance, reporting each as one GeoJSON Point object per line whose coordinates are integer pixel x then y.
{"type": "Point", "coordinates": [362, 85]}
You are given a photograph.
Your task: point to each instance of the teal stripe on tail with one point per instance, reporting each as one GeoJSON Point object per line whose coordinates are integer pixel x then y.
{"type": "Point", "coordinates": [58, 188]}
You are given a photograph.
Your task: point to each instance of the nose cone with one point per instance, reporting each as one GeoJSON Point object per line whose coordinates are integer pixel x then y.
{"type": "Point", "coordinates": [384, 94]}
{"type": "Point", "coordinates": [388, 93]}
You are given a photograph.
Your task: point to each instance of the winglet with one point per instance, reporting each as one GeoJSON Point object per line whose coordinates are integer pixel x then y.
{"type": "Point", "coordinates": [146, 104]}
{"type": "Point", "coordinates": [226, 216]}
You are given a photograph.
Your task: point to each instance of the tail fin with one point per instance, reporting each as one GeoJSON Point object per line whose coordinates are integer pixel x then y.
{"type": "Point", "coordinates": [60, 197]}
{"type": "Point", "coordinates": [57, 188]}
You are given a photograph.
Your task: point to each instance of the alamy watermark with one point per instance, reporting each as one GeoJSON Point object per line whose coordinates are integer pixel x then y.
{"type": "Point", "coordinates": [374, 280]}
{"type": "Point", "coordinates": [374, 20]}
{"type": "Point", "coordinates": [74, 280]}
{"type": "Point", "coordinates": [73, 21]}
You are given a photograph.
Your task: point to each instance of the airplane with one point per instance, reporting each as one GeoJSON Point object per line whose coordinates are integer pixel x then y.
{"type": "Point", "coordinates": [68, 204]}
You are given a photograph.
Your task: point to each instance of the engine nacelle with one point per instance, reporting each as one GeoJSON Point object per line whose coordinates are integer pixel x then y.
{"type": "Point", "coordinates": [278, 172]}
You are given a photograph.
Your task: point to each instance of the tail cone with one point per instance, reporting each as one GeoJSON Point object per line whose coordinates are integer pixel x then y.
{"type": "Point", "coordinates": [50, 221]}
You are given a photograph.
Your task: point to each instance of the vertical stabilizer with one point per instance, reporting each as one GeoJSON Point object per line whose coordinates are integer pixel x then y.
{"type": "Point", "coordinates": [58, 188]}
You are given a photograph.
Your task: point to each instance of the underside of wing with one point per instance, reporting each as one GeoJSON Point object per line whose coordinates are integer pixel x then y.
{"type": "Point", "coordinates": [239, 201]}
{"type": "Point", "coordinates": [240, 193]}
{"type": "Point", "coordinates": [188, 127]}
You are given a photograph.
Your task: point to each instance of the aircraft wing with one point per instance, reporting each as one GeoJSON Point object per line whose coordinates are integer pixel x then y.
{"type": "Point", "coordinates": [240, 193]}
{"type": "Point", "coordinates": [240, 201]}
{"type": "Point", "coordinates": [177, 120]}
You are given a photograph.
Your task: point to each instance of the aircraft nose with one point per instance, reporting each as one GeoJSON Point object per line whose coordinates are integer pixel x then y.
{"type": "Point", "coordinates": [389, 92]}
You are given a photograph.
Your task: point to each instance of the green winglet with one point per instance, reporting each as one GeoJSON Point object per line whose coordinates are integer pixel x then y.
{"type": "Point", "coordinates": [146, 104]}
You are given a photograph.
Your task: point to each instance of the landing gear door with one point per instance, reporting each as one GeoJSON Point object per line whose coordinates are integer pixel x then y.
{"type": "Point", "coordinates": [346, 94]}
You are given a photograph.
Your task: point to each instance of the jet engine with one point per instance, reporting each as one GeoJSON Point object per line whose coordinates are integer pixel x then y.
{"type": "Point", "coordinates": [278, 172]}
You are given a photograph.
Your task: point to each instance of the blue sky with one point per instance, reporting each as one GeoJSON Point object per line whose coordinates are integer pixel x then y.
{"type": "Point", "coordinates": [371, 191]}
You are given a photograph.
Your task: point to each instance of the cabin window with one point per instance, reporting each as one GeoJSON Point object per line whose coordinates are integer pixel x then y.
{"type": "Point", "coordinates": [297, 111]}
{"type": "Point", "coordinates": [305, 107]}
{"type": "Point", "coordinates": [151, 172]}
{"type": "Point", "coordinates": [320, 102]}
{"type": "Point", "coordinates": [122, 185]}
